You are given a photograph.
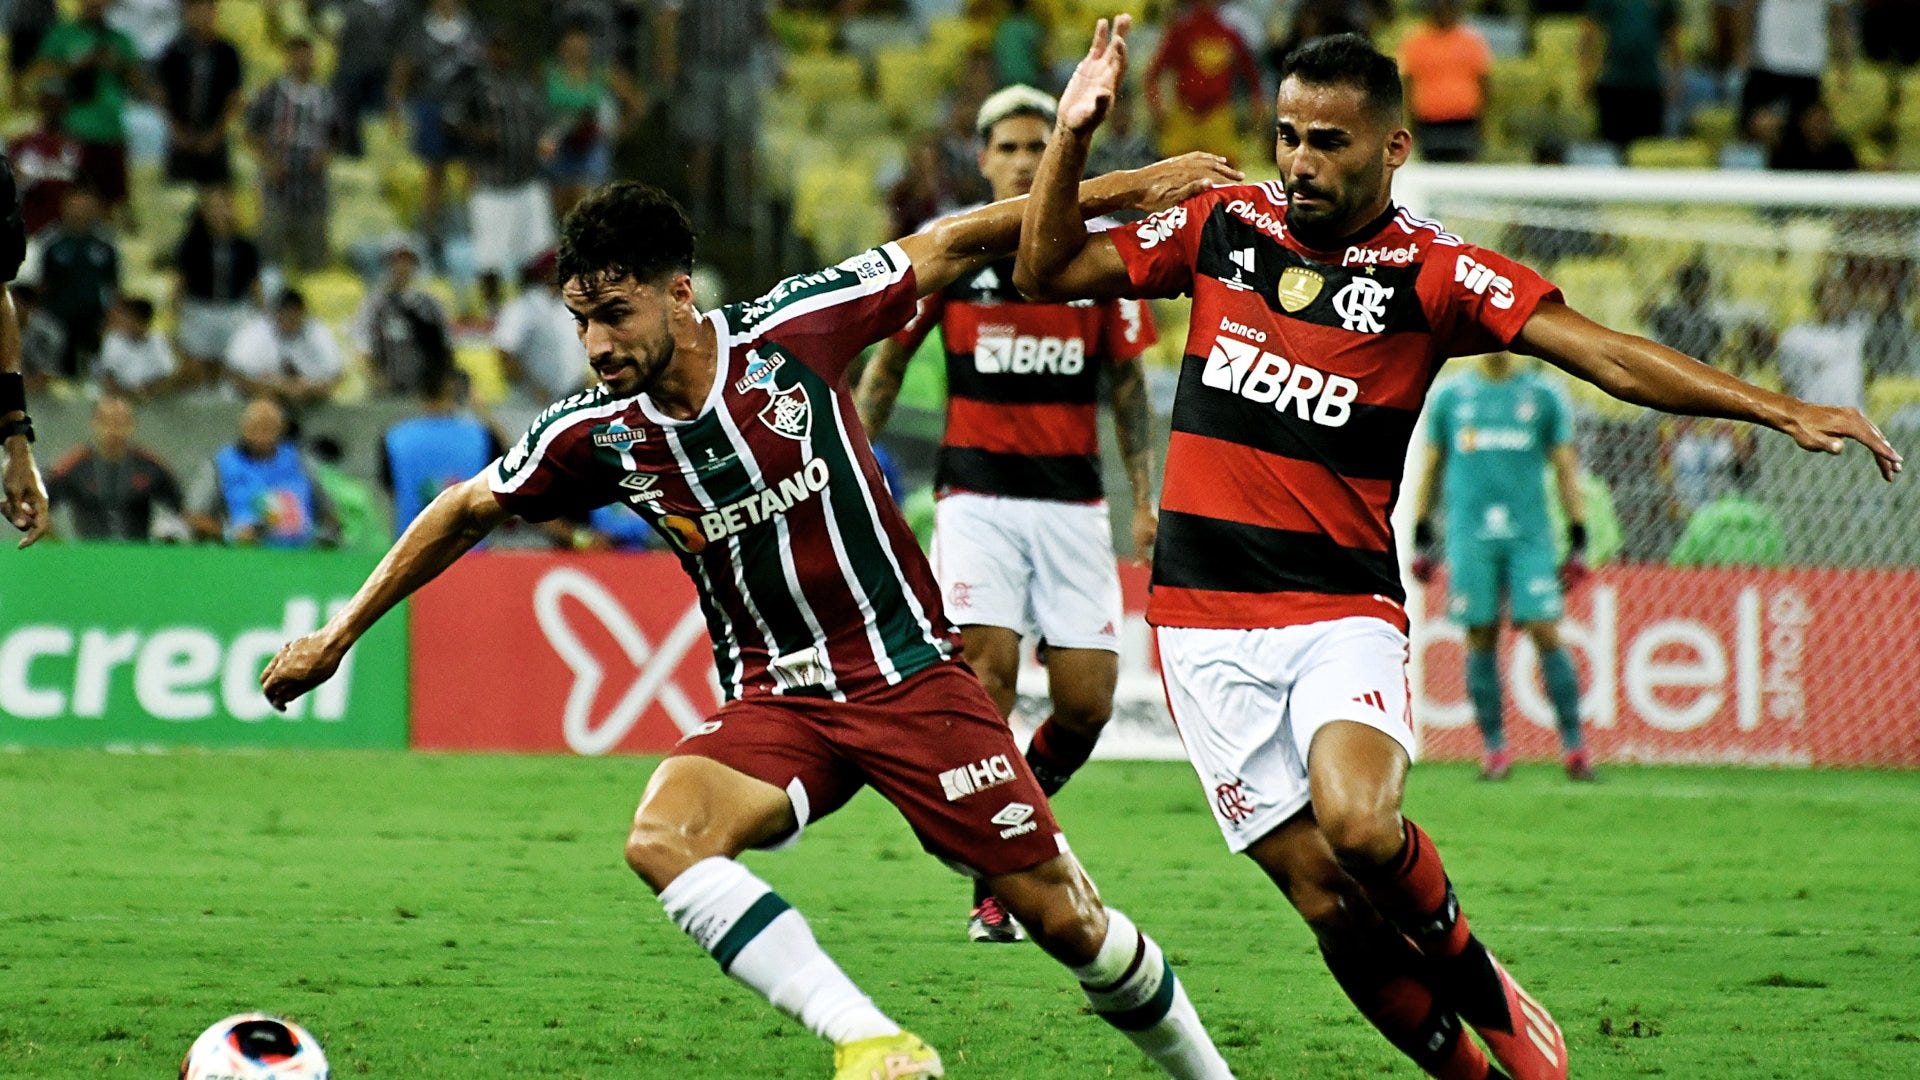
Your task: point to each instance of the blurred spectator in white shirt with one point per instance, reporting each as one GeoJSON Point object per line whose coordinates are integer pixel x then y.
{"type": "Point", "coordinates": [1825, 361]}
{"type": "Point", "coordinates": [286, 353]}
{"type": "Point", "coordinates": [539, 346]}
{"type": "Point", "coordinates": [135, 359]}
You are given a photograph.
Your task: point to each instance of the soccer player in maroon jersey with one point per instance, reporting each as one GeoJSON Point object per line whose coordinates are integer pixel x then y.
{"type": "Point", "coordinates": [1320, 313]}
{"type": "Point", "coordinates": [733, 433]}
{"type": "Point", "coordinates": [1021, 543]}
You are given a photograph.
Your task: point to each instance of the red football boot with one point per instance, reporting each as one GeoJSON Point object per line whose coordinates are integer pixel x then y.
{"type": "Point", "coordinates": [1534, 1049]}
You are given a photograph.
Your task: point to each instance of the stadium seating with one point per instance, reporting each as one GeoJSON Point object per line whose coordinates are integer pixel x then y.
{"type": "Point", "coordinates": [1670, 154]}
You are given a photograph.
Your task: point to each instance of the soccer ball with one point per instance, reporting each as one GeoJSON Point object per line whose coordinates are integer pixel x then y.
{"type": "Point", "coordinates": [254, 1046]}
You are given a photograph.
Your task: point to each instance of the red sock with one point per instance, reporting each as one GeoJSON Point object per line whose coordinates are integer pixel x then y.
{"type": "Point", "coordinates": [1413, 892]}
{"type": "Point", "coordinates": [1379, 979]}
{"type": "Point", "coordinates": [1056, 754]}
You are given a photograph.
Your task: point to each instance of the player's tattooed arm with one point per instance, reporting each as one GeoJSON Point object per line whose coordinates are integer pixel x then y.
{"type": "Point", "coordinates": [448, 528]}
{"type": "Point", "coordinates": [880, 385]}
{"type": "Point", "coordinates": [23, 494]}
{"type": "Point", "coordinates": [1647, 373]}
{"type": "Point", "coordinates": [1132, 420]}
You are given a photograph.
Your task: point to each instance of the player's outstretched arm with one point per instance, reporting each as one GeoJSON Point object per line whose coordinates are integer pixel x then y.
{"type": "Point", "coordinates": [1058, 258]}
{"type": "Point", "coordinates": [452, 523]}
{"type": "Point", "coordinates": [1647, 373]}
{"type": "Point", "coordinates": [958, 245]}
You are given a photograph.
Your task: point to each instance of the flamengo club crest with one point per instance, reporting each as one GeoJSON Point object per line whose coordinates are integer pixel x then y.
{"type": "Point", "coordinates": [788, 413]}
{"type": "Point", "coordinates": [1299, 287]}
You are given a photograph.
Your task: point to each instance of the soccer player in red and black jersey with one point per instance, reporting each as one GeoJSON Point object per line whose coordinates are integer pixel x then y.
{"type": "Point", "coordinates": [1320, 314]}
{"type": "Point", "coordinates": [1022, 543]}
{"type": "Point", "coordinates": [732, 432]}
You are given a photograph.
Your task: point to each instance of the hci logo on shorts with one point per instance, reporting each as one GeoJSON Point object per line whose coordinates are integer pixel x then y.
{"type": "Point", "coordinates": [979, 776]}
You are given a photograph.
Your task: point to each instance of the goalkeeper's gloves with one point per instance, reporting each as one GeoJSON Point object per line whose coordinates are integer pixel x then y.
{"type": "Point", "coordinates": [1424, 561]}
{"type": "Point", "coordinates": [1575, 569]}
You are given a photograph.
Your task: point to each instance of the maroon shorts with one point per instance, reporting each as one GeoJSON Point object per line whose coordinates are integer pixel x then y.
{"type": "Point", "coordinates": [933, 745]}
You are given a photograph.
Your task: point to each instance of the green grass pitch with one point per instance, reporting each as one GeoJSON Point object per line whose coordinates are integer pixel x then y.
{"type": "Point", "coordinates": [439, 917]}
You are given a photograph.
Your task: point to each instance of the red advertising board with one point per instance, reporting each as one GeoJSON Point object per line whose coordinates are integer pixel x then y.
{"type": "Point", "coordinates": [595, 654]}
{"type": "Point", "coordinates": [588, 654]}
{"type": "Point", "coordinates": [1791, 666]}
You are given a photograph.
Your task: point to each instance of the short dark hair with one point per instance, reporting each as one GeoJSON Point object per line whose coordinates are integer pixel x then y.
{"type": "Point", "coordinates": [624, 229]}
{"type": "Point", "coordinates": [1349, 60]}
{"type": "Point", "coordinates": [139, 307]}
{"type": "Point", "coordinates": [290, 298]}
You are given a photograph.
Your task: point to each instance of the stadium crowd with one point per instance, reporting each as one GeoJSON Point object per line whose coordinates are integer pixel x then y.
{"type": "Point", "coordinates": [278, 204]}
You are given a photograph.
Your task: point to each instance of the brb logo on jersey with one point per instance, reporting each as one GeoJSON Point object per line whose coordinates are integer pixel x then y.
{"type": "Point", "coordinates": [1241, 367]}
{"type": "Point", "coordinates": [1001, 351]}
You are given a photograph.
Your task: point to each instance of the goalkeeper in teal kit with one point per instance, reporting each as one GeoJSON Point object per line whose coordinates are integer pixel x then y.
{"type": "Point", "coordinates": [1492, 433]}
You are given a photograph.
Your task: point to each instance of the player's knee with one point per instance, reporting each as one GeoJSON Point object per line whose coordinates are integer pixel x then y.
{"type": "Point", "coordinates": [1083, 715]}
{"type": "Point", "coordinates": [1329, 903]}
{"type": "Point", "coordinates": [659, 852]}
{"type": "Point", "coordinates": [1060, 909]}
{"type": "Point", "coordinates": [1361, 835]}
{"type": "Point", "coordinates": [999, 686]}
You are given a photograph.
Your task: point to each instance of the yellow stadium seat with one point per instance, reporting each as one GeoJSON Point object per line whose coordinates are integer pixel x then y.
{"type": "Point", "coordinates": [1608, 289]}
{"type": "Point", "coordinates": [817, 79]}
{"type": "Point", "coordinates": [823, 186]}
{"type": "Point", "coordinates": [1556, 40]}
{"type": "Point", "coordinates": [904, 81]}
{"type": "Point", "coordinates": [481, 362]}
{"type": "Point", "coordinates": [1780, 287]}
{"type": "Point", "coordinates": [1863, 104]}
{"type": "Point", "coordinates": [802, 31]}
{"type": "Point", "coordinates": [1670, 154]}
{"type": "Point", "coordinates": [853, 119]}
{"type": "Point", "coordinates": [332, 295]}
{"type": "Point", "coordinates": [1715, 123]}
{"type": "Point", "coordinates": [1892, 393]}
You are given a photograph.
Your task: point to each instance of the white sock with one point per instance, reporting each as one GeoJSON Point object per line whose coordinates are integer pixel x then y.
{"type": "Point", "coordinates": [1132, 987]}
{"type": "Point", "coordinates": [762, 942]}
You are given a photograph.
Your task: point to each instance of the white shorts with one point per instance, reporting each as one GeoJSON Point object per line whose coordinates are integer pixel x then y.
{"type": "Point", "coordinates": [206, 327]}
{"type": "Point", "coordinates": [1034, 566]}
{"type": "Point", "coordinates": [1247, 704]}
{"type": "Point", "coordinates": [510, 226]}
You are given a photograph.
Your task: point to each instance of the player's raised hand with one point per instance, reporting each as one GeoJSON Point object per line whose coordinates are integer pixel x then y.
{"type": "Point", "coordinates": [1089, 94]}
{"type": "Point", "coordinates": [1175, 180]}
{"type": "Point", "coordinates": [1826, 428]}
{"type": "Point", "coordinates": [299, 666]}
{"type": "Point", "coordinates": [23, 497]}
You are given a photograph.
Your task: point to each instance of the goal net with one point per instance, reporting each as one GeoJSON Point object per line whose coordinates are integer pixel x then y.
{"type": "Point", "coordinates": [1755, 603]}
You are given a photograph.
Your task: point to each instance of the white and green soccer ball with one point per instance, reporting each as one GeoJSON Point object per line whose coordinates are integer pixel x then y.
{"type": "Point", "coordinates": [254, 1046]}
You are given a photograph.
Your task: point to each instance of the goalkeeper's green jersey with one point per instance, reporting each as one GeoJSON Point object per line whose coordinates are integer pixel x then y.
{"type": "Point", "coordinates": [1496, 438]}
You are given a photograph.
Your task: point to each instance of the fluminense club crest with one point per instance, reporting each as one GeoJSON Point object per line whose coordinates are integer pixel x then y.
{"type": "Point", "coordinates": [788, 413]}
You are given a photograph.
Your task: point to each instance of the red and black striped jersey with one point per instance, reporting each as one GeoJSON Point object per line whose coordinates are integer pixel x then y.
{"type": "Point", "coordinates": [1303, 375]}
{"type": "Point", "coordinates": [810, 579]}
{"type": "Point", "coordinates": [1023, 385]}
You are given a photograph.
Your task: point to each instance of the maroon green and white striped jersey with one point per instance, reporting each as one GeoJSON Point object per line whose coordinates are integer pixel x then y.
{"type": "Point", "coordinates": [810, 579]}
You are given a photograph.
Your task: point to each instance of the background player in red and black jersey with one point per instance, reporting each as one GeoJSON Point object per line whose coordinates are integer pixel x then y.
{"type": "Point", "coordinates": [1022, 544]}
{"type": "Point", "coordinates": [23, 496]}
{"type": "Point", "coordinates": [1275, 592]}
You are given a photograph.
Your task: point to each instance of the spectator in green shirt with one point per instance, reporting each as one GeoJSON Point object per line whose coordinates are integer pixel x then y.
{"type": "Point", "coordinates": [98, 66]}
{"type": "Point", "coordinates": [1732, 530]}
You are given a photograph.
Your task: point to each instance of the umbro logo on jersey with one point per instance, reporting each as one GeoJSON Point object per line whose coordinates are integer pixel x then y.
{"type": "Point", "coordinates": [643, 486]}
{"type": "Point", "coordinates": [1372, 698]}
{"type": "Point", "coordinates": [986, 773]}
{"type": "Point", "coordinates": [1018, 817]}
{"type": "Point", "coordinates": [1243, 368]}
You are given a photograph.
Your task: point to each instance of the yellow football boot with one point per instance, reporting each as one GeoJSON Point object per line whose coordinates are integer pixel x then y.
{"type": "Point", "coordinates": [889, 1057]}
